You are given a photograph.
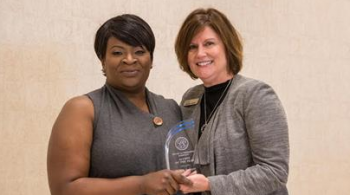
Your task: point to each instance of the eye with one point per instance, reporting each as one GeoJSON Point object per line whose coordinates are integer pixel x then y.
{"type": "Point", "coordinates": [140, 52]}
{"type": "Point", "coordinates": [117, 53]}
{"type": "Point", "coordinates": [209, 43]}
{"type": "Point", "coordinates": [192, 47]}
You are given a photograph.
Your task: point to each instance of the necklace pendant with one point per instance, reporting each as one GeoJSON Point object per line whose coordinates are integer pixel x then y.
{"type": "Point", "coordinates": [203, 127]}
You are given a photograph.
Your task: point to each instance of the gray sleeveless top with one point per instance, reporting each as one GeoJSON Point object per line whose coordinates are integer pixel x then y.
{"type": "Point", "coordinates": [125, 139]}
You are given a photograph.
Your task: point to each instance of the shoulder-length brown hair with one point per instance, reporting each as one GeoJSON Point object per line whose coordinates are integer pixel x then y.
{"type": "Point", "coordinates": [211, 17]}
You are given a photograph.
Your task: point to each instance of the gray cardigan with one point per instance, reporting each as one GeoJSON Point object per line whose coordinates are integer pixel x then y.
{"type": "Point", "coordinates": [245, 148]}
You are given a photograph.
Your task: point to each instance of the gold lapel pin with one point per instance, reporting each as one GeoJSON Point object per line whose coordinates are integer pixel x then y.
{"type": "Point", "coordinates": [191, 102]}
{"type": "Point", "coordinates": [157, 121]}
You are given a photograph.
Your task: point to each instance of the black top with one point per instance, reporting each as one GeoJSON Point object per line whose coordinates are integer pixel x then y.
{"type": "Point", "coordinates": [212, 96]}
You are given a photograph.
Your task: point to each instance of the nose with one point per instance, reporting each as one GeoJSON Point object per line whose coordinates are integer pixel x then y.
{"type": "Point", "coordinates": [201, 51]}
{"type": "Point", "coordinates": [129, 59]}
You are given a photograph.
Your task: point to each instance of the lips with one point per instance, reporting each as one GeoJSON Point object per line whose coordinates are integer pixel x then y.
{"type": "Point", "coordinates": [130, 73]}
{"type": "Point", "coordinates": [204, 63]}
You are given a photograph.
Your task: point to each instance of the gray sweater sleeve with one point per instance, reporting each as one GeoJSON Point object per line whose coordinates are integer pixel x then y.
{"type": "Point", "coordinates": [267, 133]}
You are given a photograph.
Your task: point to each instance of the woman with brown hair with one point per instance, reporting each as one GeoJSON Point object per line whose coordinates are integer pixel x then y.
{"type": "Point", "coordinates": [242, 142]}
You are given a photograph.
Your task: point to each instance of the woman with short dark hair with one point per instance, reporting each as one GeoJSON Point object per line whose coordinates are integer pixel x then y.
{"type": "Point", "coordinates": [111, 140]}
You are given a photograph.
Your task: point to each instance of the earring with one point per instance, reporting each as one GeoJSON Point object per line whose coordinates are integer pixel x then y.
{"type": "Point", "coordinates": [103, 71]}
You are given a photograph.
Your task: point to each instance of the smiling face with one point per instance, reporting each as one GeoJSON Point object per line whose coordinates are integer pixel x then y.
{"type": "Point", "coordinates": [207, 57]}
{"type": "Point", "coordinates": [126, 67]}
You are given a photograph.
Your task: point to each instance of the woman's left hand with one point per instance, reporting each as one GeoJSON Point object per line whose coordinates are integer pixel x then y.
{"type": "Point", "coordinates": [200, 184]}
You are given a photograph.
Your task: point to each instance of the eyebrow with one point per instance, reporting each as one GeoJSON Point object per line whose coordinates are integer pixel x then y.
{"type": "Point", "coordinates": [117, 46]}
{"type": "Point", "coordinates": [209, 39]}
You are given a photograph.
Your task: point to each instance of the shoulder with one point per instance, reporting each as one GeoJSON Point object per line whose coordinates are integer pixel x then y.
{"type": "Point", "coordinates": [245, 83]}
{"type": "Point", "coordinates": [98, 93]}
{"type": "Point", "coordinates": [75, 117]}
{"type": "Point", "coordinates": [192, 94]}
{"type": "Point", "coordinates": [79, 104]}
{"type": "Point", "coordinates": [196, 90]}
{"type": "Point", "coordinates": [162, 101]}
{"type": "Point", "coordinates": [250, 87]}
{"type": "Point", "coordinates": [255, 96]}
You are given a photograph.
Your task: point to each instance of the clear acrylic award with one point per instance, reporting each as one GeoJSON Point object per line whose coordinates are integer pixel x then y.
{"type": "Point", "coordinates": [178, 146]}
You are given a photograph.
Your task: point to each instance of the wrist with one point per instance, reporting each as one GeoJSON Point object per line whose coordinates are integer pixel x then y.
{"type": "Point", "coordinates": [207, 184]}
{"type": "Point", "coordinates": [140, 184]}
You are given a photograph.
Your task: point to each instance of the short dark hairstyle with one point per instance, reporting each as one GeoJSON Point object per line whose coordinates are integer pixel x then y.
{"type": "Point", "coordinates": [210, 17]}
{"type": "Point", "coordinates": [128, 28]}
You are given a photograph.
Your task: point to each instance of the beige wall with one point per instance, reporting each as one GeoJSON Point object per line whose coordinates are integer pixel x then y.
{"type": "Point", "coordinates": [301, 48]}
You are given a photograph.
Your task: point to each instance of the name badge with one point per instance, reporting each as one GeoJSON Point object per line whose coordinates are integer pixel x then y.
{"type": "Point", "coordinates": [191, 102]}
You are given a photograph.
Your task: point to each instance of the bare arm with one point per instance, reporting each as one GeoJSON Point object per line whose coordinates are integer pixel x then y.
{"type": "Point", "coordinates": [68, 159]}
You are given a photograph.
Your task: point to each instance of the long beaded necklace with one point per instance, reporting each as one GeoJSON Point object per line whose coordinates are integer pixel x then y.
{"type": "Point", "coordinates": [206, 120]}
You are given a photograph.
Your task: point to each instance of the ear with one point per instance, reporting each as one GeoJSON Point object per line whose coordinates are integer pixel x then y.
{"type": "Point", "coordinates": [103, 67]}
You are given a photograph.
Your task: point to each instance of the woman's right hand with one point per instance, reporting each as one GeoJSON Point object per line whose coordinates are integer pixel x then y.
{"type": "Point", "coordinates": [164, 182]}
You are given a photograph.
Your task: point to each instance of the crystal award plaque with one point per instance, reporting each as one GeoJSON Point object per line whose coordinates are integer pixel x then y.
{"type": "Point", "coordinates": [178, 146]}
